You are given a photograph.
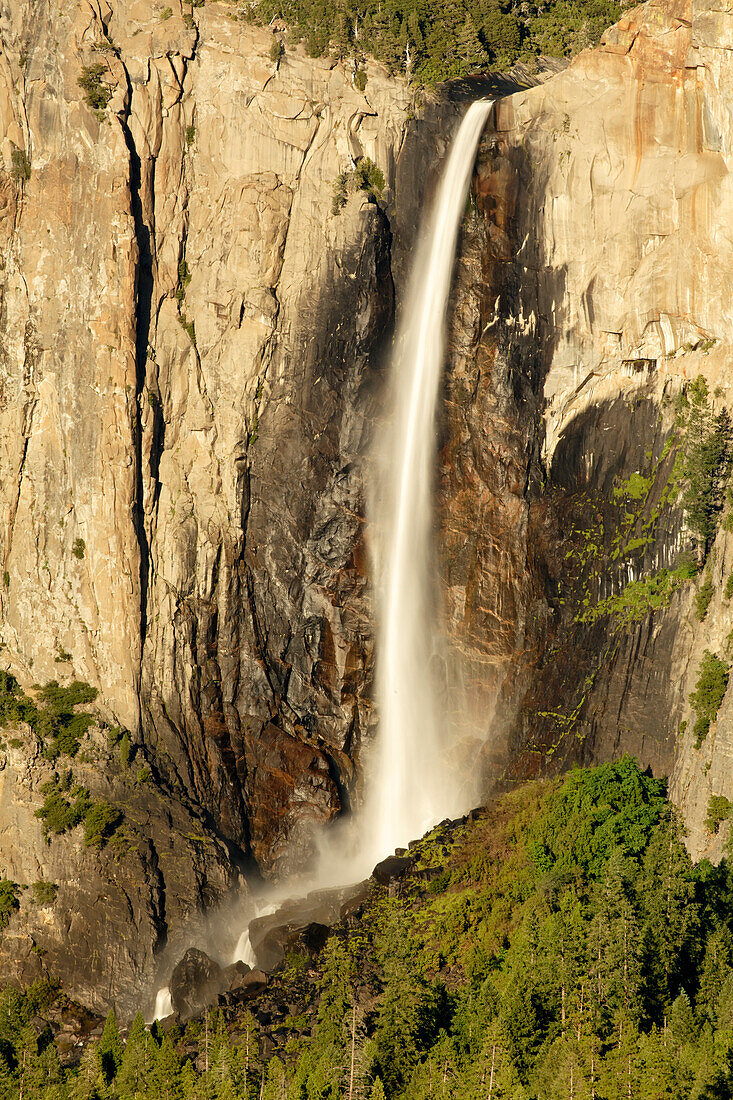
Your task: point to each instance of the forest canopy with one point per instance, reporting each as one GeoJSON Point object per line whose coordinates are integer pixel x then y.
{"type": "Point", "coordinates": [434, 40]}
{"type": "Point", "coordinates": [559, 944]}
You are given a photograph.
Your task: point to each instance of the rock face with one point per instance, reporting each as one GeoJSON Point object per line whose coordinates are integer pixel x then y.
{"type": "Point", "coordinates": [191, 341]}
{"type": "Point", "coordinates": [594, 281]}
{"type": "Point", "coordinates": [191, 346]}
{"type": "Point", "coordinates": [106, 913]}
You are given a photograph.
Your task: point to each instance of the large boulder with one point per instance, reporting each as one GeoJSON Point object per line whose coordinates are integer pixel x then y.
{"type": "Point", "coordinates": [196, 982]}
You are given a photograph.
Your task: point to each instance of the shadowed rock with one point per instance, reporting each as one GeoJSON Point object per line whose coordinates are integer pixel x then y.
{"type": "Point", "coordinates": [195, 983]}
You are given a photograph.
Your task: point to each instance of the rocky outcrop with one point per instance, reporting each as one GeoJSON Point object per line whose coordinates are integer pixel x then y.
{"type": "Point", "coordinates": [592, 287]}
{"type": "Point", "coordinates": [97, 917]}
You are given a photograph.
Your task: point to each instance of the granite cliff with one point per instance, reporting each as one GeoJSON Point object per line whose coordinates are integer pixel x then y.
{"type": "Point", "coordinates": [192, 344]}
{"type": "Point", "coordinates": [591, 292]}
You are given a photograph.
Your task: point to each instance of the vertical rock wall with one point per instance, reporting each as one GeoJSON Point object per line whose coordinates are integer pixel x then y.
{"type": "Point", "coordinates": [596, 275]}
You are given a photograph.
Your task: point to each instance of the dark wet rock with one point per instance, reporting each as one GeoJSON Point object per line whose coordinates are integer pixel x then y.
{"type": "Point", "coordinates": [313, 938]}
{"type": "Point", "coordinates": [298, 924]}
{"type": "Point", "coordinates": [195, 983]}
{"type": "Point", "coordinates": [392, 869]}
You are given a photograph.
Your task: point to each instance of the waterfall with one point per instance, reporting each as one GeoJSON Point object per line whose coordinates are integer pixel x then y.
{"type": "Point", "coordinates": [410, 781]}
{"type": "Point", "coordinates": [163, 1004]}
{"type": "Point", "coordinates": [411, 785]}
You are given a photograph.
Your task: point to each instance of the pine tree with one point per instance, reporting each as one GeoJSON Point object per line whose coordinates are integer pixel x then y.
{"type": "Point", "coordinates": [136, 1061]}
{"type": "Point", "coordinates": [669, 911]}
{"type": "Point", "coordinates": [89, 1083]}
{"type": "Point", "coordinates": [377, 1092]}
{"type": "Point", "coordinates": [165, 1072]}
{"type": "Point", "coordinates": [110, 1050]}
{"type": "Point", "coordinates": [468, 47]}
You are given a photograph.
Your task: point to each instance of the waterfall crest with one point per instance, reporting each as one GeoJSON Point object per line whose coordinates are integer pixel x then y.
{"type": "Point", "coordinates": [411, 785]}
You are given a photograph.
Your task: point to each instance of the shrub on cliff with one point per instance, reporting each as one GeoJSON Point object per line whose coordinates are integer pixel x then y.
{"type": "Point", "coordinates": [718, 811]}
{"type": "Point", "coordinates": [97, 93]}
{"type": "Point", "coordinates": [8, 900]}
{"type": "Point", "coordinates": [365, 176]}
{"type": "Point", "coordinates": [706, 699]}
{"type": "Point", "coordinates": [21, 165]}
{"type": "Point", "coordinates": [58, 813]}
{"type": "Point", "coordinates": [100, 822]}
{"type": "Point", "coordinates": [703, 597]}
{"type": "Point", "coordinates": [708, 448]}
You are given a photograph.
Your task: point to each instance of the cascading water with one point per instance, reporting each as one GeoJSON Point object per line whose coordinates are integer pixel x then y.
{"type": "Point", "coordinates": [410, 782]}
{"type": "Point", "coordinates": [163, 1005]}
{"type": "Point", "coordinates": [411, 785]}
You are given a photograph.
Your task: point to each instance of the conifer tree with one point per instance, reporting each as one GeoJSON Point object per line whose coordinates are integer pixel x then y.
{"type": "Point", "coordinates": [136, 1060]}
{"type": "Point", "coordinates": [110, 1050]}
{"type": "Point", "coordinates": [468, 46]}
{"type": "Point", "coordinates": [377, 1092]}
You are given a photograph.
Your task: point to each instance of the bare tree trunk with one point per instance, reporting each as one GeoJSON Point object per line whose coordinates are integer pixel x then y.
{"type": "Point", "coordinates": [353, 1051]}
{"type": "Point", "coordinates": [491, 1077]}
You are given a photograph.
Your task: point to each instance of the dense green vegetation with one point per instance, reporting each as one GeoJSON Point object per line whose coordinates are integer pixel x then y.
{"type": "Point", "coordinates": [52, 715]}
{"type": "Point", "coordinates": [560, 945]}
{"type": "Point", "coordinates": [708, 460]}
{"type": "Point", "coordinates": [710, 689]}
{"type": "Point", "coordinates": [432, 40]}
{"type": "Point", "coordinates": [67, 804]}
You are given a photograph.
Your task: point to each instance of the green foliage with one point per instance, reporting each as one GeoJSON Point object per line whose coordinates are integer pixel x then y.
{"type": "Point", "coordinates": [21, 165]}
{"type": "Point", "coordinates": [110, 1051]}
{"type": "Point", "coordinates": [8, 901]}
{"type": "Point", "coordinates": [59, 813]}
{"type": "Point", "coordinates": [432, 40]}
{"type": "Point", "coordinates": [636, 599]}
{"type": "Point", "coordinates": [710, 689]}
{"type": "Point", "coordinates": [718, 811]}
{"type": "Point", "coordinates": [53, 716]}
{"type": "Point", "coordinates": [612, 538]}
{"type": "Point", "coordinates": [188, 327]}
{"type": "Point", "coordinates": [100, 822]}
{"type": "Point", "coordinates": [276, 50]}
{"type": "Point", "coordinates": [165, 13]}
{"type": "Point", "coordinates": [360, 80]}
{"type": "Point", "coordinates": [574, 952]}
{"type": "Point", "coordinates": [636, 487]}
{"type": "Point", "coordinates": [190, 135]}
{"type": "Point", "coordinates": [79, 548]}
{"type": "Point", "coordinates": [66, 805]}
{"type": "Point", "coordinates": [703, 597]}
{"type": "Point", "coordinates": [44, 893]}
{"type": "Point", "coordinates": [612, 807]}
{"type": "Point", "coordinates": [184, 278]}
{"type": "Point", "coordinates": [366, 176]}
{"type": "Point", "coordinates": [728, 590]}
{"type": "Point", "coordinates": [708, 461]}
{"type": "Point", "coordinates": [97, 93]}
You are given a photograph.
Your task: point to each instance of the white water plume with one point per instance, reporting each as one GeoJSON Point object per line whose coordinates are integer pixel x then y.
{"type": "Point", "coordinates": [411, 782]}
{"type": "Point", "coordinates": [163, 1004]}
